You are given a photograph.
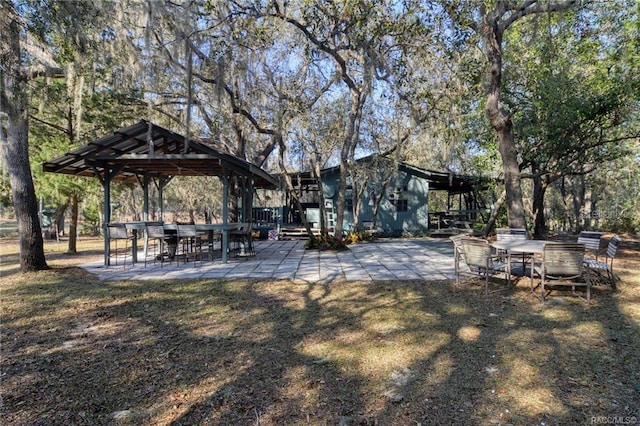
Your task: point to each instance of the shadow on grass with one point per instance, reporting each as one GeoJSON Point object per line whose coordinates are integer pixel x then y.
{"type": "Point", "coordinates": [510, 361]}
{"type": "Point", "coordinates": [78, 351]}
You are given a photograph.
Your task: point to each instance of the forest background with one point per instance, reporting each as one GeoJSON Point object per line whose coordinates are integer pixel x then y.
{"type": "Point", "coordinates": [541, 96]}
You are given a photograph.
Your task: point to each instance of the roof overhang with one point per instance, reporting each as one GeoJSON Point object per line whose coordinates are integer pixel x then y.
{"type": "Point", "coordinates": [146, 149]}
{"type": "Point", "coordinates": [439, 181]}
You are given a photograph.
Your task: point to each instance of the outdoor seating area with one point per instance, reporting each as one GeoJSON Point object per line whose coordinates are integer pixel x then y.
{"type": "Point", "coordinates": [548, 264]}
{"type": "Point", "coordinates": [174, 242]}
{"type": "Point", "coordinates": [551, 267]}
{"type": "Point", "coordinates": [148, 154]}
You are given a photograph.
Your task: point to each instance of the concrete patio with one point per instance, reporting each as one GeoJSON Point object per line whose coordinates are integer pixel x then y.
{"type": "Point", "coordinates": [394, 259]}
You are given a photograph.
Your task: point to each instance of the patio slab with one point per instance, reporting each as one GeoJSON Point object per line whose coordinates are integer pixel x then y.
{"type": "Point", "coordinates": [393, 259]}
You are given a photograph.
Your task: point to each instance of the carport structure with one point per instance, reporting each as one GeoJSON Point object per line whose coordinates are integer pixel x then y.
{"type": "Point", "coordinates": [147, 153]}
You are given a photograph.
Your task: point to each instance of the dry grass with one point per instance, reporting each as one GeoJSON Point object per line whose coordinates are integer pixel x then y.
{"type": "Point", "coordinates": [79, 351]}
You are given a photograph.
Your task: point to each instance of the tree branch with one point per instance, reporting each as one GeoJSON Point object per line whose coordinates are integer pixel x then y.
{"type": "Point", "coordinates": [532, 7]}
{"type": "Point", "coordinates": [52, 125]}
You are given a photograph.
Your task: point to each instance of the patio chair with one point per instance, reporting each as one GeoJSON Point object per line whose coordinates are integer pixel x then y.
{"type": "Point", "coordinates": [510, 234]}
{"type": "Point", "coordinates": [118, 232]}
{"type": "Point", "coordinates": [155, 233]}
{"type": "Point", "coordinates": [243, 241]}
{"type": "Point", "coordinates": [480, 259]}
{"type": "Point", "coordinates": [458, 254]}
{"type": "Point", "coordinates": [513, 234]}
{"type": "Point", "coordinates": [604, 269]}
{"type": "Point", "coordinates": [190, 244]}
{"type": "Point", "coordinates": [591, 241]}
{"type": "Point", "coordinates": [562, 264]}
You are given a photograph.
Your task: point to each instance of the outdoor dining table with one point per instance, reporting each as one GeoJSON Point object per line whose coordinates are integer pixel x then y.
{"type": "Point", "coordinates": [210, 228]}
{"type": "Point", "coordinates": [521, 246]}
{"type": "Point", "coordinates": [535, 248]}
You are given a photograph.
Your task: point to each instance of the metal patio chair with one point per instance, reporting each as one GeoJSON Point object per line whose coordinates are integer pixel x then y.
{"type": "Point", "coordinates": [118, 232]}
{"type": "Point", "coordinates": [514, 234]}
{"type": "Point", "coordinates": [562, 264]}
{"type": "Point", "coordinates": [190, 243]}
{"type": "Point", "coordinates": [458, 254]}
{"type": "Point", "coordinates": [604, 269]}
{"type": "Point", "coordinates": [479, 258]}
{"type": "Point", "coordinates": [591, 241]}
{"type": "Point", "coordinates": [156, 234]}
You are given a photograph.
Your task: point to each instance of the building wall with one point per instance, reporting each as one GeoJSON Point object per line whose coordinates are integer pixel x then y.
{"type": "Point", "coordinates": [408, 190]}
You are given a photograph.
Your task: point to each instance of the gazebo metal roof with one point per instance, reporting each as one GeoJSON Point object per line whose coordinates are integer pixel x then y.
{"type": "Point", "coordinates": [146, 149]}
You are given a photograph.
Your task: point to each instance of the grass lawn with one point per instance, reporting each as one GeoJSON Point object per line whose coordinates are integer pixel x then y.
{"type": "Point", "coordinates": [75, 350]}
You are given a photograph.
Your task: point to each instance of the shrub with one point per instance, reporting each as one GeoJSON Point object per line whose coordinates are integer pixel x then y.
{"type": "Point", "coordinates": [326, 243]}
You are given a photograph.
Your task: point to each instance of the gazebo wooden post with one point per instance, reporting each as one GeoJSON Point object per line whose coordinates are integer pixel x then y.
{"type": "Point", "coordinates": [248, 199]}
{"type": "Point", "coordinates": [225, 216]}
{"type": "Point", "coordinates": [161, 198]}
{"type": "Point", "coordinates": [145, 198]}
{"type": "Point", "coordinates": [144, 183]}
{"type": "Point", "coordinates": [160, 185]}
{"type": "Point", "coordinates": [109, 174]}
{"type": "Point", "coordinates": [106, 189]}
{"type": "Point", "coordinates": [106, 211]}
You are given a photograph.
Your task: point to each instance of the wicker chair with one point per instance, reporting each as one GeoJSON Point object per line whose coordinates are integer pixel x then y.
{"type": "Point", "coordinates": [562, 264]}
{"type": "Point", "coordinates": [480, 259]}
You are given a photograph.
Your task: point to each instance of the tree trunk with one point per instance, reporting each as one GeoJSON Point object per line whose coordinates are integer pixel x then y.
{"type": "Point", "coordinates": [73, 226]}
{"type": "Point", "coordinates": [540, 186]}
{"type": "Point", "coordinates": [341, 194]}
{"type": "Point", "coordinates": [502, 123]}
{"type": "Point", "coordinates": [13, 103]}
{"type": "Point", "coordinates": [491, 223]}
{"type": "Point", "coordinates": [290, 189]}
{"type": "Point", "coordinates": [578, 195]}
{"type": "Point", "coordinates": [357, 193]}
{"type": "Point", "coordinates": [58, 218]}
{"type": "Point", "coordinates": [568, 216]}
{"type": "Point", "coordinates": [591, 219]}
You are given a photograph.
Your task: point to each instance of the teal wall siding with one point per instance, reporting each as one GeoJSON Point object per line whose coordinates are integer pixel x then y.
{"type": "Point", "coordinates": [416, 217]}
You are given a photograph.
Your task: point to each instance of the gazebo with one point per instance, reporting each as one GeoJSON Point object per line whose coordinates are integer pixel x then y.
{"type": "Point", "coordinates": [147, 153]}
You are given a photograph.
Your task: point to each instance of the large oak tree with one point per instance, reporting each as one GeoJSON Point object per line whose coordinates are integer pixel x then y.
{"type": "Point", "coordinates": [14, 133]}
{"type": "Point", "coordinates": [491, 20]}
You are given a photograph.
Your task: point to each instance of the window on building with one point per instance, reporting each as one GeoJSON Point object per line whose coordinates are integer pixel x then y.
{"type": "Point", "coordinates": [398, 199]}
{"type": "Point", "coordinates": [348, 200]}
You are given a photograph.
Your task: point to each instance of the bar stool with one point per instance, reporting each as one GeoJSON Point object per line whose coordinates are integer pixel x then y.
{"type": "Point", "coordinates": [116, 232]}
{"type": "Point", "coordinates": [156, 233]}
{"type": "Point", "coordinates": [191, 243]}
